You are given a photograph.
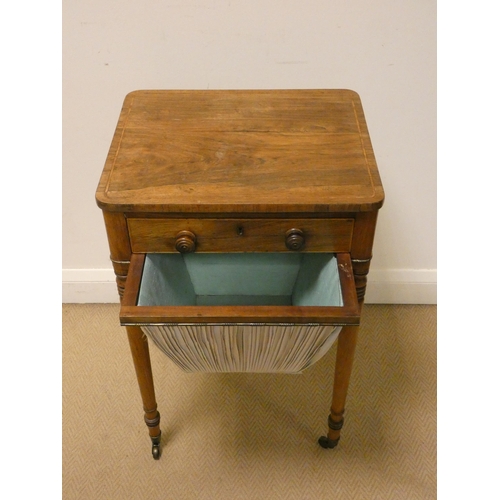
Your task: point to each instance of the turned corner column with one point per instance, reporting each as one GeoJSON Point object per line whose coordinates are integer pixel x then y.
{"type": "Point", "coordinates": [119, 246]}
{"type": "Point", "coordinates": [361, 253]}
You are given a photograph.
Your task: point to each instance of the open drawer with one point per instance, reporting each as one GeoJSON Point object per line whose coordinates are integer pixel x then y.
{"type": "Point", "coordinates": [257, 312]}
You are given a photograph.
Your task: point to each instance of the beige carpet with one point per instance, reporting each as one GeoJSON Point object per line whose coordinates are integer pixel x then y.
{"type": "Point", "coordinates": [245, 436]}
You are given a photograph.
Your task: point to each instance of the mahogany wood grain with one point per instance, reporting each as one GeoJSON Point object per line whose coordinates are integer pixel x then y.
{"type": "Point", "coordinates": [239, 235]}
{"type": "Point", "coordinates": [241, 151]}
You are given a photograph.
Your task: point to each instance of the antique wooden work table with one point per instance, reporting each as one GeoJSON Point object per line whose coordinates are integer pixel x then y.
{"type": "Point", "coordinates": [281, 172]}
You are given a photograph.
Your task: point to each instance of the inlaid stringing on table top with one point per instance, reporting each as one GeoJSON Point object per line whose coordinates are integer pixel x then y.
{"type": "Point", "coordinates": [241, 151]}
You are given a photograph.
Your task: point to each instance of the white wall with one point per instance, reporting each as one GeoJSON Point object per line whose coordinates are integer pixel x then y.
{"type": "Point", "coordinates": [385, 50]}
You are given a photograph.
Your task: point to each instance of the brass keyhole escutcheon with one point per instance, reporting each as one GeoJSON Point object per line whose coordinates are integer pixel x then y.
{"type": "Point", "coordinates": [185, 242]}
{"type": "Point", "coordinates": [294, 239]}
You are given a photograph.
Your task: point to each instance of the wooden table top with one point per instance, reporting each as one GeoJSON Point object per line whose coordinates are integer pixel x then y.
{"type": "Point", "coordinates": [255, 151]}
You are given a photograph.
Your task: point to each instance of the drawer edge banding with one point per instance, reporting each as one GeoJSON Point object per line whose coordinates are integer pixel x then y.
{"type": "Point", "coordinates": [347, 314]}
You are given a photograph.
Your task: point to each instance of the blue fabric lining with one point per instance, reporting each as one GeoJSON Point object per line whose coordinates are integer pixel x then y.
{"type": "Point", "coordinates": [241, 279]}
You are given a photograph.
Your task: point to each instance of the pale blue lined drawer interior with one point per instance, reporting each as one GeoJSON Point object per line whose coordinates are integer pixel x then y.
{"type": "Point", "coordinates": [240, 279]}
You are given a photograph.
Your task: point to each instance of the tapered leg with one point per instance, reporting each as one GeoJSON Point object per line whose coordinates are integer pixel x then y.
{"type": "Point", "coordinates": [140, 353]}
{"type": "Point", "coordinates": [343, 367]}
{"type": "Point", "coordinates": [361, 252]}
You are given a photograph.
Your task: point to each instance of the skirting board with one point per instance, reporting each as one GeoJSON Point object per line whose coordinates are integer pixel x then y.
{"type": "Point", "coordinates": [389, 286]}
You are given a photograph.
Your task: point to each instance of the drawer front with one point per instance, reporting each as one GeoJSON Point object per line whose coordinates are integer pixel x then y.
{"type": "Point", "coordinates": [239, 235]}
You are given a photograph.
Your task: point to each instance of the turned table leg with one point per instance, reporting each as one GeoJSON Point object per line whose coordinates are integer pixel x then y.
{"type": "Point", "coordinates": [140, 353]}
{"type": "Point", "coordinates": [119, 243]}
{"type": "Point", "coordinates": [343, 367]}
{"type": "Point", "coordinates": [361, 251]}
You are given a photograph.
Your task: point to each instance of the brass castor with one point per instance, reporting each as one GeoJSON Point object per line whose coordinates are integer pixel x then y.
{"type": "Point", "coordinates": [156, 447]}
{"type": "Point", "coordinates": [326, 442]}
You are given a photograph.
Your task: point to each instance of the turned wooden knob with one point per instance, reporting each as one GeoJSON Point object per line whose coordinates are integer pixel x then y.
{"type": "Point", "coordinates": [185, 242]}
{"type": "Point", "coordinates": [294, 239]}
